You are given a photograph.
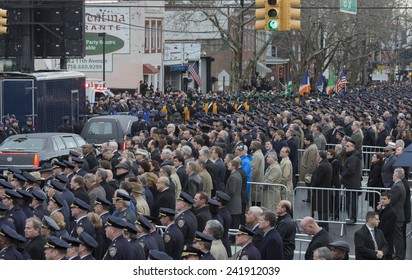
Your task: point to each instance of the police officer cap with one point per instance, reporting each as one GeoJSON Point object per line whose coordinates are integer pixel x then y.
{"type": "Point", "coordinates": [200, 236]}
{"type": "Point", "coordinates": [166, 212]}
{"type": "Point", "coordinates": [6, 185]}
{"type": "Point", "coordinates": [176, 114]}
{"type": "Point", "coordinates": [3, 177]}
{"type": "Point", "coordinates": [19, 177]}
{"type": "Point", "coordinates": [3, 207]}
{"type": "Point", "coordinates": [87, 240]}
{"type": "Point", "coordinates": [56, 185]}
{"type": "Point", "coordinates": [116, 222]}
{"type": "Point", "coordinates": [56, 243]}
{"type": "Point", "coordinates": [12, 194]}
{"type": "Point", "coordinates": [213, 202]}
{"type": "Point", "coordinates": [186, 198]}
{"type": "Point", "coordinates": [222, 197]}
{"type": "Point", "coordinates": [39, 195]}
{"type": "Point", "coordinates": [61, 178]}
{"type": "Point", "coordinates": [191, 251]}
{"type": "Point", "coordinates": [152, 220]}
{"type": "Point", "coordinates": [163, 114]}
{"type": "Point", "coordinates": [72, 241]}
{"type": "Point", "coordinates": [122, 196]}
{"type": "Point", "coordinates": [143, 222]}
{"type": "Point", "coordinates": [159, 256]}
{"type": "Point", "coordinates": [102, 201]}
{"type": "Point", "coordinates": [46, 167]}
{"type": "Point", "coordinates": [73, 153]}
{"type": "Point", "coordinates": [340, 244]}
{"type": "Point", "coordinates": [30, 178]}
{"type": "Point", "coordinates": [49, 223]}
{"type": "Point", "coordinates": [78, 160]}
{"type": "Point", "coordinates": [58, 199]}
{"type": "Point", "coordinates": [25, 194]}
{"type": "Point", "coordinates": [14, 170]}
{"type": "Point", "coordinates": [29, 119]}
{"type": "Point", "coordinates": [66, 118]}
{"type": "Point", "coordinates": [122, 165]}
{"type": "Point", "coordinates": [140, 114]}
{"type": "Point", "coordinates": [7, 231]}
{"type": "Point", "coordinates": [58, 164]}
{"type": "Point", "coordinates": [245, 230]}
{"type": "Point", "coordinates": [78, 203]}
{"type": "Point", "coordinates": [69, 164]}
{"type": "Point", "coordinates": [131, 228]}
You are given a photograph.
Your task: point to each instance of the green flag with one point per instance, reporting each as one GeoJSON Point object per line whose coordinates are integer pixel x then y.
{"type": "Point", "coordinates": [331, 83]}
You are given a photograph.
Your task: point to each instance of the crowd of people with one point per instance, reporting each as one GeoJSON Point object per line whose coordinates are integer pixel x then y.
{"type": "Point", "coordinates": [186, 167]}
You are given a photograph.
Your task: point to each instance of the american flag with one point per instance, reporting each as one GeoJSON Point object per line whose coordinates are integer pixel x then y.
{"type": "Point", "coordinates": [194, 71]}
{"type": "Point", "coordinates": [340, 86]}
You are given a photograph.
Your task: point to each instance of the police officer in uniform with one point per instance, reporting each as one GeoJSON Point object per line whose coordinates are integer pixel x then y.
{"type": "Point", "coordinates": [244, 238]}
{"type": "Point", "coordinates": [143, 236]}
{"type": "Point", "coordinates": [37, 204]}
{"type": "Point", "coordinates": [186, 220]}
{"type": "Point", "coordinates": [120, 248]}
{"type": "Point", "coordinates": [172, 236]}
{"type": "Point", "coordinates": [15, 213]}
{"type": "Point", "coordinates": [55, 248]}
{"type": "Point", "coordinates": [87, 245]}
{"type": "Point", "coordinates": [139, 125]}
{"type": "Point", "coordinates": [203, 242]}
{"type": "Point", "coordinates": [130, 233]}
{"type": "Point", "coordinates": [79, 210]}
{"type": "Point", "coordinates": [65, 127]}
{"type": "Point", "coordinates": [28, 127]}
{"type": "Point", "coordinates": [8, 240]}
{"type": "Point", "coordinates": [3, 132]}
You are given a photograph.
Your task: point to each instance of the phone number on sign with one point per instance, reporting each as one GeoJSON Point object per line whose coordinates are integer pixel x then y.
{"type": "Point", "coordinates": [84, 67]}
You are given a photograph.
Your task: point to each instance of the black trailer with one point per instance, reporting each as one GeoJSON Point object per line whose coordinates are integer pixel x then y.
{"type": "Point", "coordinates": [44, 96]}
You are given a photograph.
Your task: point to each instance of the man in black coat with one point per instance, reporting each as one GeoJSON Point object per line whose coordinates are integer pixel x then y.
{"type": "Point", "coordinates": [35, 242]}
{"type": "Point", "coordinates": [201, 210]}
{"type": "Point", "coordinates": [165, 197]}
{"type": "Point", "coordinates": [286, 228]}
{"type": "Point", "coordinates": [321, 178]}
{"type": "Point", "coordinates": [321, 237]}
{"type": "Point", "coordinates": [370, 243]}
{"type": "Point", "coordinates": [271, 247]}
{"type": "Point", "coordinates": [351, 179]}
{"type": "Point", "coordinates": [387, 219]}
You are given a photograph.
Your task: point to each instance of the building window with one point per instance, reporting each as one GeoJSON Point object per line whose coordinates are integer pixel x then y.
{"type": "Point", "coordinates": [153, 37]}
{"type": "Point", "coordinates": [159, 36]}
{"type": "Point", "coordinates": [146, 36]}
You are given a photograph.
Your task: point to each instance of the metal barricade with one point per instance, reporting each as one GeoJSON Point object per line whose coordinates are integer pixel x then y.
{"type": "Point", "coordinates": [335, 206]}
{"type": "Point", "coordinates": [268, 195]}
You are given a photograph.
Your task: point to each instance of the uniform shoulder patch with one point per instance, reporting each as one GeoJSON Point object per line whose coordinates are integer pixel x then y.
{"type": "Point", "coordinates": [181, 223]}
{"type": "Point", "coordinates": [112, 251]}
{"type": "Point", "coordinates": [166, 238]}
{"type": "Point", "coordinates": [79, 230]}
{"type": "Point", "coordinates": [244, 258]}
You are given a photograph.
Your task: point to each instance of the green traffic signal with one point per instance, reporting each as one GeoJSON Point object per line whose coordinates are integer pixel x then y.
{"type": "Point", "coordinates": [273, 24]}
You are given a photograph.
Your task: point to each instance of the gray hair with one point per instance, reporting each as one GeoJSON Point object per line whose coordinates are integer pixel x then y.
{"type": "Point", "coordinates": [103, 173]}
{"type": "Point", "coordinates": [186, 150]}
{"type": "Point", "coordinates": [89, 178]}
{"type": "Point", "coordinates": [215, 228]}
{"type": "Point", "coordinates": [164, 180]}
{"type": "Point", "coordinates": [168, 153]}
{"type": "Point", "coordinates": [205, 152]}
{"type": "Point", "coordinates": [273, 155]}
{"type": "Point", "coordinates": [37, 224]}
{"type": "Point", "coordinates": [192, 165]}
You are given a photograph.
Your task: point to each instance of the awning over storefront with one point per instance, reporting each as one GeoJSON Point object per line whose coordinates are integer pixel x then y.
{"type": "Point", "coordinates": [262, 68]}
{"type": "Point", "coordinates": [149, 69]}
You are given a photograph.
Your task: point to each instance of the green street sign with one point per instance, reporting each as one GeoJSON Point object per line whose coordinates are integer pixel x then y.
{"type": "Point", "coordinates": [348, 6]}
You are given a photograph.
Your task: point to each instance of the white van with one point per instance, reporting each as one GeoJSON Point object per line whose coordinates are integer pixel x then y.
{"type": "Point", "coordinates": [96, 89]}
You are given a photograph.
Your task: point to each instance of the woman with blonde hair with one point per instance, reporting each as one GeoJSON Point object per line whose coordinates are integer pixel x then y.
{"type": "Point", "coordinates": [59, 219]}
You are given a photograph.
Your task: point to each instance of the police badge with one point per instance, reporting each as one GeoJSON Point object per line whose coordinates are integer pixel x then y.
{"type": "Point", "coordinates": [79, 230]}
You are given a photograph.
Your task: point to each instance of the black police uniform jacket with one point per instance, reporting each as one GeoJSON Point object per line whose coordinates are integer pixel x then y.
{"type": "Point", "coordinates": [138, 251]}
{"type": "Point", "coordinates": [173, 239]}
{"type": "Point", "coordinates": [119, 249]}
{"type": "Point", "coordinates": [17, 215]}
{"type": "Point", "coordinates": [83, 224]}
{"type": "Point", "coordinates": [35, 248]}
{"type": "Point", "coordinates": [148, 243]}
{"type": "Point", "coordinates": [249, 252]}
{"type": "Point", "coordinates": [9, 253]}
{"type": "Point", "coordinates": [187, 223]}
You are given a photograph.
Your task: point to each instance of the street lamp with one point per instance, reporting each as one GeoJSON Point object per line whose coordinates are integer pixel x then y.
{"type": "Point", "coordinates": [103, 34]}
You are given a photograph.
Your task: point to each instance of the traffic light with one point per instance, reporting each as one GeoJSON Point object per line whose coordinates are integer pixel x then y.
{"type": "Point", "coordinates": [289, 17]}
{"type": "Point", "coordinates": [267, 17]}
{"type": "Point", "coordinates": [3, 21]}
{"type": "Point", "coordinates": [277, 15]}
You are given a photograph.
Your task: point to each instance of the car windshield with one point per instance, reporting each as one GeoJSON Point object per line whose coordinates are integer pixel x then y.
{"type": "Point", "coordinates": [23, 144]}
